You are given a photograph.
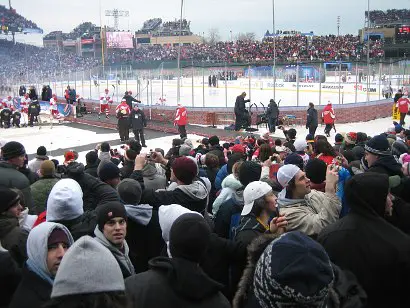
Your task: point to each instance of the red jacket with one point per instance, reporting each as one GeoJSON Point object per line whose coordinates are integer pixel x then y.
{"type": "Point", "coordinates": [181, 117]}
{"type": "Point", "coordinates": [403, 105]}
{"type": "Point", "coordinates": [122, 110]}
{"type": "Point", "coordinates": [328, 114]}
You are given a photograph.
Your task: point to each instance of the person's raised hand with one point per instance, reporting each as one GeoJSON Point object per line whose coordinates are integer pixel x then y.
{"type": "Point", "coordinates": [278, 225]}
{"type": "Point", "coordinates": [158, 158]}
{"type": "Point", "coordinates": [140, 161]}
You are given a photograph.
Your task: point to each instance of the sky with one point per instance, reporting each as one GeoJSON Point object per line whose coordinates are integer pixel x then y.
{"type": "Point", "coordinates": [238, 16]}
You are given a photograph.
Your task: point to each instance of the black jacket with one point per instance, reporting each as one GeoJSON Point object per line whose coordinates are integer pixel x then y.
{"type": "Point", "coordinates": [358, 151]}
{"type": "Point", "coordinates": [32, 94]}
{"type": "Point", "coordinates": [137, 119]}
{"type": "Point", "coordinates": [94, 190]}
{"type": "Point", "coordinates": [32, 291]}
{"type": "Point", "coordinates": [174, 283]}
{"type": "Point", "coordinates": [10, 276]}
{"type": "Point", "coordinates": [11, 177]}
{"type": "Point", "coordinates": [127, 169]}
{"type": "Point", "coordinates": [129, 99]}
{"type": "Point", "coordinates": [273, 110]}
{"type": "Point", "coordinates": [240, 107]}
{"type": "Point", "coordinates": [80, 226]}
{"type": "Point", "coordinates": [144, 235]}
{"type": "Point", "coordinates": [91, 170]}
{"type": "Point", "coordinates": [370, 247]}
{"type": "Point", "coordinates": [33, 109]}
{"type": "Point", "coordinates": [387, 165]}
{"type": "Point", "coordinates": [311, 118]}
{"type": "Point", "coordinates": [223, 218]}
{"type": "Point", "coordinates": [5, 115]}
{"type": "Point", "coordinates": [13, 238]}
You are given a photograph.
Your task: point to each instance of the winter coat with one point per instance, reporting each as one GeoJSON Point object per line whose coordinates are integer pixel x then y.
{"type": "Point", "coordinates": [218, 151]}
{"type": "Point", "coordinates": [91, 170]}
{"type": "Point", "coordinates": [364, 243]}
{"type": "Point", "coordinates": [144, 236]}
{"type": "Point", "coordinates": [311, 214]}
{"type": "Point", "coordinates": [328, 114]}
{"type": "Point", "coordinates": [10, 276]}
{"type": "Point", "coordinates": [137, 119]}
{"type": "Point", "coordinates": [94, 190]}
{"type": "Point", "coordinates": [403, 104]}
{"type": "Point", "coordinates": [229, 186]}
{"type": "Point", "coordinates": [34, 165]}
{"type": "Point", "coordinates": [229, 209]}
{"type": "Point", "coordinates": [240, 106]}
{"type": "Point", "coordinates": [127, 169]}
{"type": "Point", "coordinates": [33, 291]}
{"type": "Point", "coordinates": [174, 283]}
{"type": "Point", "coordinates": [387, 165]}
{"type": "Point", "coordinates": [33, 109]}
{"type": "Point", "coordinates": [122, 258]}
{"type": "Point", "coordinates": [13, 238]}
{"type": "Point", "coordinates": [129, 99]}
{"type": "Point", "coordinates": [358, 151]}
{"type": "Point", "coordinates": [273, 111]}
{"type": "Point", "coordinates": [11, 177]}
{"type": "Point", "coordinates": [40, 191]}
{"type": "Point", "coordinates": [210, 174]}
{"type": "Point", "coordinates": [222, 173]}
{"type": "Point", "coordinates": [193, 197]}
{"type": "Point", "coordinates": [181, 117]}
{"type": "Point", "coordinates": [153, 181]}
{"type": "Point", "coordinates": [311, 118]}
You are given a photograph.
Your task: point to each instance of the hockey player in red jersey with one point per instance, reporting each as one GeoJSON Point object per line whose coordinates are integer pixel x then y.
{"type": "Point", "coordinates": [403, 105]}
{"type": "Point", "coordinates": [105, 100]}
{"type": "Point", "coordinates": [328, 117]}
{"type": "Point", "coordinates": [181, 119]}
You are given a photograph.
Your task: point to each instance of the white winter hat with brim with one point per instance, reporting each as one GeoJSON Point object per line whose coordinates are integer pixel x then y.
{"type": "Point", "coordinates": [286, 173]}
{"type": "Point", "coordinates": [253, 191]}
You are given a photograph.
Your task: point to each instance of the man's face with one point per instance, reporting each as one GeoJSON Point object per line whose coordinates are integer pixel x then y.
{"type": "Point", "coordinates": [271, 202]}
{"type": "Point", "coordinates": [115, 231]}
{"type": "Point", "coordinates": [302, 185]}
{"type": "Point", "coordinates": [15, 210]}
{"type": "Point", "coordinates": [18, 161]}
{"type": "Point", "coordinates": [55, 254]}
{"type": "Point", "coordinates": [370, 158]}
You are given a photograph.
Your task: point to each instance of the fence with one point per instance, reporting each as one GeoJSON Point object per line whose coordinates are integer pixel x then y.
{"type": "Point", "coordinates": [207, 84]}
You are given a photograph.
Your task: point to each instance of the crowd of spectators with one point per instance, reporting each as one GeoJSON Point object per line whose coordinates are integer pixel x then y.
{"type": "Point", "coordinates": [299, 221]}
{"type": "Point", "coordinates": [378, 17]}
{"type": "Point", "coordinates": [10, 18]}
{"type": "Point", "coordinates": [288, 49]}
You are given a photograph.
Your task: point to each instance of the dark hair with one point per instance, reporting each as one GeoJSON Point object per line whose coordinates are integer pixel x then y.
{"type": "Point", "coordinates": [116, 299]}
{"type": "Point", "coordinates": [349, 155]}
{"type": "Point", "coordinates": [325, 148]}
{"type": "Point", "coordinates": [211, 161]}
{"type": "Point", "coordinates": [258, 206]}
{"type": "Point", "coordinates": [311, 104]}
{"type": "Point", "coordinates": [316, 170]}
{"type": "Point", "coordinates": [290, 188]}
{"type": "Point", "coordinates": [105, 147]}
{"type": "Point", "coordinates": [226, 145]}
{"type": "Point", "coordinates": [278, 142]}
{"type": "Point", "coordinates": [176, 142]}
{"type": "Point", "coordinates": [135, 146]}
{"type": "Point", "coordinates": [159, 150]}
{"type": "Point", "coordinates": [205, 141]}
{"type": "Point", "coordinates": [260, 141]}
{"type": "Point", "coordinates": [214, 140]}
{"type": "Point", "coordinates": [21, 196]}
{"type": "Point", "coordinates": [265, 151]}
{"type": "Point", "coordinates": [361, 137]}
{"type": "Point", "coordinates": [91, 157]}
{"type": "Point", "coordinates": [291, 133]}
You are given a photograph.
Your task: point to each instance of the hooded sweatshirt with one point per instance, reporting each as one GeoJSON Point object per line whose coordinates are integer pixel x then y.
{"type": "Point", "coordinates": [229, 186]}
{"type": "Point", "coordinates": [311, 214]}
{"type": "Point", "coordinates": [151, 179]}
{"type": "Point", "coordinates": [122, 257]}
{"type": "Point", "coordinates": [167, 215]}
{"type": "Point", "coordinates": [36, 285]}
{"type": "Point", "coordinates": [387, 165]}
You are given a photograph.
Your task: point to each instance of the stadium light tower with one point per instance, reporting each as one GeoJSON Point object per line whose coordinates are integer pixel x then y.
{"type": "Point", "coordinates": [338, 25]}
{"type": "Point", "coordinates": [274, 49]}
{"type": "Point", "coordinates": [368, 51]}
{"type": "Point", "coordinates": [117, 14]}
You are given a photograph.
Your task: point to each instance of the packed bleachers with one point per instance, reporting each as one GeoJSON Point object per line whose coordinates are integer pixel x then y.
{"type": "Point", "coordinates": [10, 18]}
{"type": "Point", "coordinates": [393, 16]}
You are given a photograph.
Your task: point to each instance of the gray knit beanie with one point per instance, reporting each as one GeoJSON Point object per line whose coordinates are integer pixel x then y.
{"type": "Point", "coordinates": [87, 267]}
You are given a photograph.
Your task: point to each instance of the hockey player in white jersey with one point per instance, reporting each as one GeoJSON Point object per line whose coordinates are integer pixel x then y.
{"type": "Point", "coordinates": [105, 100]}
{"type": "Point", "coordinates": [24, 102]}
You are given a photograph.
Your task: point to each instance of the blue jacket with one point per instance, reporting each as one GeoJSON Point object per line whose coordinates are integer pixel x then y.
{"type": "Point", "coordinates": [222, 173]}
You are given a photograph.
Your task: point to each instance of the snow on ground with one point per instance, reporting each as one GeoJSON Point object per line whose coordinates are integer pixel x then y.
{"type": "Point", "coordinates": [64, 137]}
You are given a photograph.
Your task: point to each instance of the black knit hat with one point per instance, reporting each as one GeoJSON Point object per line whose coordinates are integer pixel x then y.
{"type": "Point", "coordinates": [130, 191]}
{"type": "Point", "coordinates": [8, 198]}
{"type": "Point", "coordinates": [189, 237]}
{"type": "Point", "coordinates": [109, 211]}
{"type": "Point", "coordinates": [12, 149]}
{"type": "Point", "coordinates": [294, 159]}
{"type": "Point", "coordinates": [378, 145]}
{"type": "Point", "coordinates": [214, 140]}
{"type": "Point", "coordinates": [339, 137]}
{"type": "Point", "coordinates": [249, 171]}
{"type": "Point", "coordinates": [109, 171]}
{"type": "Point", "coordinates": [41, 151]}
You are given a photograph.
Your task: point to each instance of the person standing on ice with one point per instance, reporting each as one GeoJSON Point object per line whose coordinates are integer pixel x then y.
{"type": "Point", "coordinates": [105, 99]}
{"type": "Point", "coordinates": [272, 115]}
{"type": "Point", "coordinates": [123, 115]}
{"type": "Point", "coordinates": [53, 107]}
{"type": "Point", "coordinates": [403, 105]}
{"type": "Point", "coordinates": [138, 122]}
{"type": "Point", "coordinates": [24, 103]}
{"type": "Point", "coordinates": [181, 120]}
{"type": "Point", "coordinates": [129, 99]}
{"type": "Point", "coordinates": [328, 117]}
{"type": "Point", "coordinates": [311, 119]}
{"type": "Point", "coordinates": [240, 111]}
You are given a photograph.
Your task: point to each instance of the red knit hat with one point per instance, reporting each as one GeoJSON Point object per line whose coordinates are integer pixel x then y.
{"type": "Point", "coordinates": [185, 169]}
{"type": "Point", "coordinates": [69, 156]}
{"type": "Point", "coordinates": [237, 148]}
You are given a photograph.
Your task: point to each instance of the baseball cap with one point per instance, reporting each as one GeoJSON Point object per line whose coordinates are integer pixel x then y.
{"type": "Point", "coordinates": [253, 191]}
{"type": "Point", "coordinates": [300, 145]}
{"type": "Point", "coordinates": [286, 173]}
